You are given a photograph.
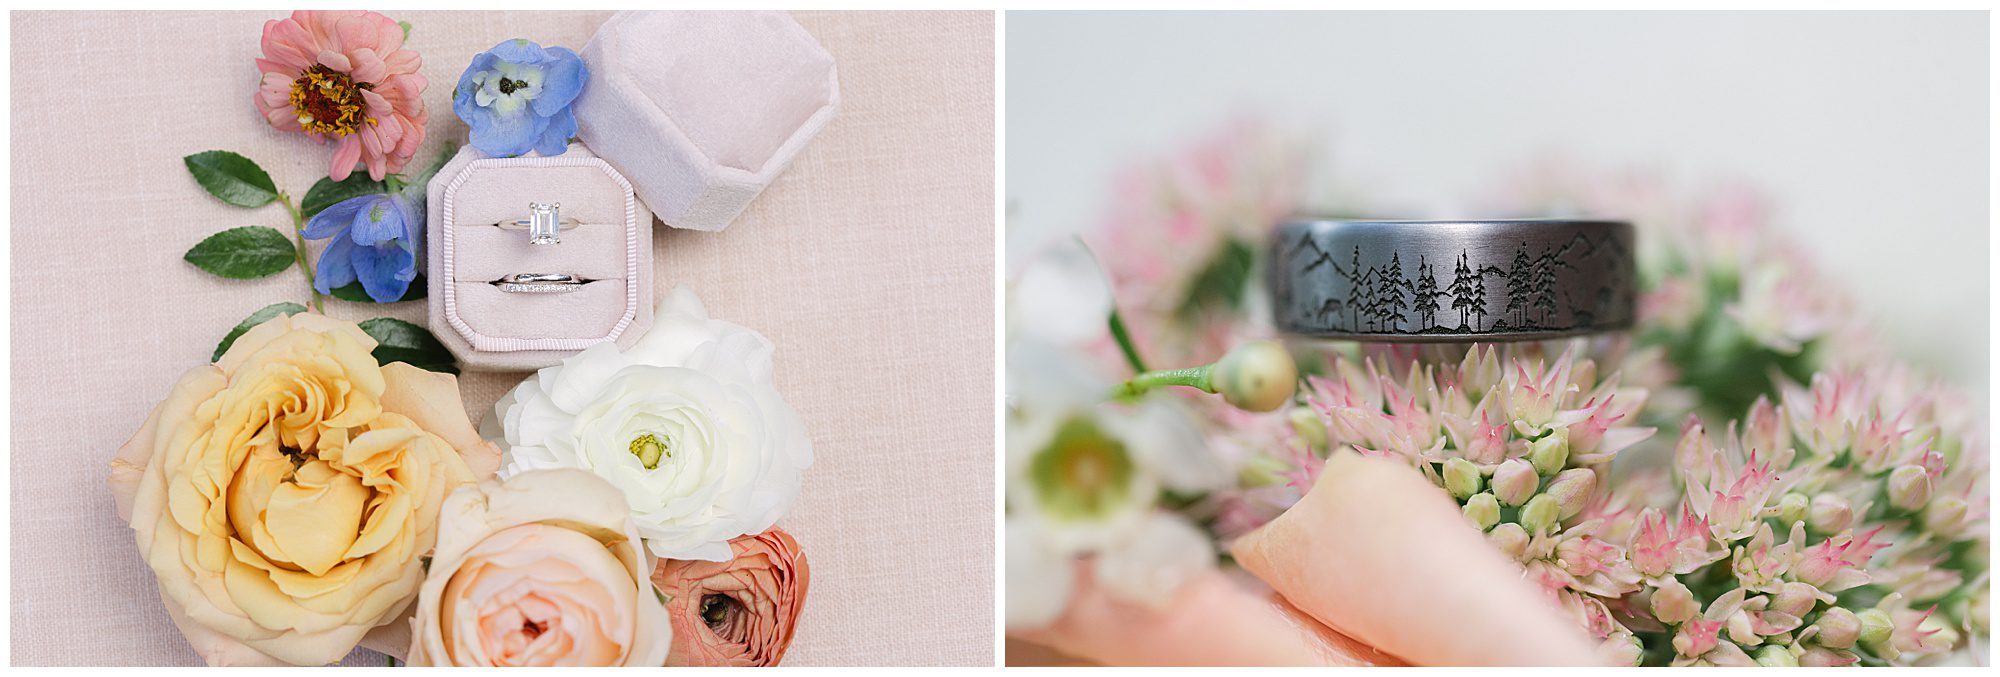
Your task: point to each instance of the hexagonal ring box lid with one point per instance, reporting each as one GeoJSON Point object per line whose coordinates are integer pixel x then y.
{"type": "Point", "coordinates": [702, 110]}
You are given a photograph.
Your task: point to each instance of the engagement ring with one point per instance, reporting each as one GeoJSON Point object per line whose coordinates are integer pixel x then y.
{"type": "Point", "coordinates": [544, 223]}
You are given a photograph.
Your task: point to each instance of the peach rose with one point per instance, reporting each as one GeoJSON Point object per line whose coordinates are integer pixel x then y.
{"type": "Point", "coordinates": [284, 495]}
{"type": "Point", "coordinates": [544, 569]}
{"type": "Point", "coordinates": [740, 612]}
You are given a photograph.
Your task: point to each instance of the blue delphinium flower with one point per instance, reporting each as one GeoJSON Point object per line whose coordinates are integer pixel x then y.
{"type": "Point", "coordinates": [517, 96]}
{"type": "Point", "coordinates": [375, 240]}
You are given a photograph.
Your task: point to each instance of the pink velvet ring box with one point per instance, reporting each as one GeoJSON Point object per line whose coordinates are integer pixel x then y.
{"type": "Point", "coordinates": [606, 238]}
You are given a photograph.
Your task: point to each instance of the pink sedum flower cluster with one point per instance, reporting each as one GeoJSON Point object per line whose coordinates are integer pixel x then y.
{"type": "Point", "coordinates": [1181, 235]}
{"type": "Point", "coordinates": [1843, 524]}
{"type": "Point", "coordinates": [344, 77]}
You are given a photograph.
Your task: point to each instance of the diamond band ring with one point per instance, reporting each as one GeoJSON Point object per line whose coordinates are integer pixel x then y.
{"type": "Point", "coordinates": [540, 283]}
{"type": "Point", "coordinates": [544, 223]}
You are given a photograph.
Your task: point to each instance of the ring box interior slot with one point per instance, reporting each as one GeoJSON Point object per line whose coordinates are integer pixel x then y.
{"type": "Point", "coordinates": [606, 238]}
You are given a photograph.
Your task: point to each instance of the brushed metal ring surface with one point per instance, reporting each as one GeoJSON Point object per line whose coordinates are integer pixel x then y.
{"type": "Point", "coordinates": [1447, 281]}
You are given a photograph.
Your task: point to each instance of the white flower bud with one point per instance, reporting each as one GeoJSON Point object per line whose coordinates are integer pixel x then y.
{"type": "Point", "coordinates": [1461, 478]}
{"type": "Point", "coordinates": [1816, 656]}
{"type": "Point", "coordinates": [1909, 487]}
{"type": "Point", "coordinates": [1571, 489]}
{"type": "Point", "coordinates": [1795, 598]}
{"type": "Point", "coordinates": [1792, 508]}
{"type": "Point", "coordinates": [1775, 656]}
{"type": "Point", "coordinates": [1838, 628]}
{"type": "Point", "coordinates": [1876, 626]}
{"type": "Point", "coordinates": [1945, 515]}
{"type": "Point", "coordinates": [1509, 538]}
{"type": "Point", "coordinates": [1741, 631]}
{"type": "Point", "coordinates": [1256, 376]}
{"type": "Point", "coordinates": [1621, 650]}
{"type": "Point", "coordinates": [1483, 510]}
{"type": "Point", "coordinates": [1829, 514]}
{"type": "Point", "coordinates": [1514, 482]}
{"type": "Point", "coordinates": [1549, 454]}
{"type": "Point", "coordinates": [1541, 514]}
{"type": "Point", "coordinates": [1673, 603]}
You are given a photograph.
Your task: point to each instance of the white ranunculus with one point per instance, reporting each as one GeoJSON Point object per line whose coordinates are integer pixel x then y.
{"type": "Point", "coordinates": [686, 422]}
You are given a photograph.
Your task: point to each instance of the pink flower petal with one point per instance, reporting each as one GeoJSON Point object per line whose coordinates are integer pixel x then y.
{"type": "Point", "coordinates": [403, 61]}
{"type": "Point", "coordinates": [334, 60]}
{"type": "Point", "coordinates": [346, 152]}
{"type": "Point", "coordinates": [288, 43]}
{"type": "Point", "coordinates": [367, 66]}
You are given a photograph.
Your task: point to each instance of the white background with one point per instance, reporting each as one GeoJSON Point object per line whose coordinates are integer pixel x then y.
{"type": "Point", "coordinates": [1869, 132]}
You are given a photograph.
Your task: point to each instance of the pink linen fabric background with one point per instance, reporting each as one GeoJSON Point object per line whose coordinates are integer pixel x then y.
{"type": "Point", "coordinates": [869, 263]}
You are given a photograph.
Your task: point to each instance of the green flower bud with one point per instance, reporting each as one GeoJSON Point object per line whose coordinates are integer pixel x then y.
{"type": "Point", "coordinates": [1571, 488]}
{"type": "Point", "coordinates": [1256, 376]}
{"type": "Point", "coordinates": [1792, 508]}
{"type": "Point", "coordinates": [1909, 487]}
{"type": "Point", "coordinates": [1549, 454]}
{"type": "Point", "coordinates": [1829, 514]}
{"type": "Point", "coordinates": [1674, 604]}
{"type": "Point", "coordinates": [1509, 538]}
{"type": "Point", "coordinates": [1775, 656]}
{"type": "Point", "coordinates": [1483, 510]}
{"type": "Point", "coordinates": [1309, 426]}
{"type": "Point", "coordinates": [1838, 628]}
{"type": "Point", "coordinates": [1945, 515]}
{"type": "Point", "coordinates": [1541, 514]}
{"type": "Point", "coordinates": [1875, 626]}
{"type": "Point", "coordinates": [1514, 482]}
{"type": "Point", "coordinates": [1461, 478]}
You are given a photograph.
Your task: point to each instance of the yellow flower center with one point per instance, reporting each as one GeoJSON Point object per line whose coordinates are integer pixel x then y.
{"type": "Point", "coordinates": [650, 450]}
{"type": "Point", "coordinates": [328, 101]}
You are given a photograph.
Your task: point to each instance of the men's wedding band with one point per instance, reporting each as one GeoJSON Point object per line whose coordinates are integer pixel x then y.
{"type": "Point", "coordinates": [1452, 281]}
{"type": "Point", "coordinates": [544, 223]}
{"type": "Point", "coordinates": [539, 283]}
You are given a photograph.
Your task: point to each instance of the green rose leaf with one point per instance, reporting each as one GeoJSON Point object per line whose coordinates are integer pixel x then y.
{"type": "Point", "coordinates": [244, 253]}
{"type": "Point", "coordinates": [408, 343]}
{"type": "Point", "coordinates": [232, 178]}
{"type": "Point", "coordinates": [356, 293]}
{"type": "Point", "coordinates": [328, 193]}
{"type": "Point", "coordinates": [265, 314]}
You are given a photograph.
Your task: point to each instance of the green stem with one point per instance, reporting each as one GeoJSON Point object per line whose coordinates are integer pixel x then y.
{"type": "Point", "coordinates": [1192, 377]}
{"type": "Point", "coordinates": [299, 238]}
{"type": "Point", "coordinates": [1125, 344]}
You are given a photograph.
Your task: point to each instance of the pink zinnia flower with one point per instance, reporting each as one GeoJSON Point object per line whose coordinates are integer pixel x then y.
{"type": "Point", "coordinates": [345, 77]}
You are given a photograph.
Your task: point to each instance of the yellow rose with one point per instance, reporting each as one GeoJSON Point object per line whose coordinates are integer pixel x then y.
{"type": "Point", "coordinates": [285, 494]}
{"type": "Point", "coordinates": [544, 569]}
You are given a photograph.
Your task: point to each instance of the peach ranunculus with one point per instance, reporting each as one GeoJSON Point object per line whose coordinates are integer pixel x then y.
{"type": "Point", "coordinates": [736, 613]}
{"type": "Point", "coordinates": [344, 76]}
{"type": "Point", "coordinates": [284, 495]}
{"type": "Point", "coordinates": [543, 569]}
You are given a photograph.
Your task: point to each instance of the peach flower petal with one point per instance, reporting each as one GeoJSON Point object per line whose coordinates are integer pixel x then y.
{"type": "Point", "coordinates": [1212, 621]}
{"type": "Point", "coordinates": [1377, 552]}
